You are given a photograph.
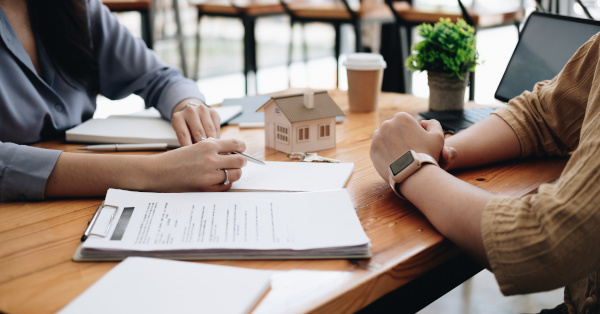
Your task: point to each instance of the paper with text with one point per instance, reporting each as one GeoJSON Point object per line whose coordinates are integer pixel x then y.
{"type": "Point", "coordinates": [231, 224]}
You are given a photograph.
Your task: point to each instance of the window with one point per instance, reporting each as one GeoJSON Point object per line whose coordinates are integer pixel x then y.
{"type": "Point", "coordinates": [282, 134]}
{"type": "Point", "coordinates": [303, 135]}
{"type": "Point", "coordinates": [324, 131]}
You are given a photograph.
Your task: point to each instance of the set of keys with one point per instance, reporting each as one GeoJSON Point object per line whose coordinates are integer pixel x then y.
{"type": "Point", "coordinates": [311, 157]}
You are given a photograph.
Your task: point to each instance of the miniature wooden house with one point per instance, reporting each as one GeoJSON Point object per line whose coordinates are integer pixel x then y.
{"type": "Point", "coordinates": [300, 122]}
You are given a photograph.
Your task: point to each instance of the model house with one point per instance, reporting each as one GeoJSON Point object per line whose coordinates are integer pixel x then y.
{"type": "Point", "coordinates": [300, 122]}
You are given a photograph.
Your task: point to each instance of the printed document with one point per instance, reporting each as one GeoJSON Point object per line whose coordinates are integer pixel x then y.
{"type": "Point", "coordinates": [235, 225]}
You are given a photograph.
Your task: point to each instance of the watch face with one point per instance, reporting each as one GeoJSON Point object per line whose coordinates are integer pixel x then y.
{"type": "Point", "coordinates": [401, 163]}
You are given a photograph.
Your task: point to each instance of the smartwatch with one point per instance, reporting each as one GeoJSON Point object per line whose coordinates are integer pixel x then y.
{"type": "Point", "coordinates": [405, 166]}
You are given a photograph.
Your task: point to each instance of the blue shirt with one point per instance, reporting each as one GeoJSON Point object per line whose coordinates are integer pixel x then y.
{"type": "Point", "coordinates": [32, 107]}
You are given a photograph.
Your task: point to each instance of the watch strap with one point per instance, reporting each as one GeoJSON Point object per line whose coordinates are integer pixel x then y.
{"type": "Point", "coordinates": [421, 159]}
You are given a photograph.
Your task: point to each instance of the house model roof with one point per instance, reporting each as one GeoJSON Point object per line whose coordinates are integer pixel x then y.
{"type": "Point", "coordinates": [294, 110]}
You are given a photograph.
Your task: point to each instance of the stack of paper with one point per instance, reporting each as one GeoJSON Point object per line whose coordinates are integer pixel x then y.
{"type": "Point", "coordinates": [149, 285]}
{"type": "Point", "coordinates": [235, 225]}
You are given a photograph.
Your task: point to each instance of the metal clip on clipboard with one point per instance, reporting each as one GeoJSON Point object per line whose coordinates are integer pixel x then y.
{"type": "Point", "coordinates": [88, 230]}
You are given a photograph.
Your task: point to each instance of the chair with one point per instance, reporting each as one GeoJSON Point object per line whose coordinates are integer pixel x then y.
{"type": "Point", "coordinates": [336, 13]}
{"type": "Point", "coordinates": [407, 16]}
{"type": "Point", "coordinates": [144, 7]}
{"type": "Point", "coordinates": [247, 11]}
{"type": "Point", "coordinates": [146, 10]}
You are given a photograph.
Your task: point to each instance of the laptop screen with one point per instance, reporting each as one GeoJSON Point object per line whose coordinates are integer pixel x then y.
{"type": "Point", "coordinates": [546, 43]}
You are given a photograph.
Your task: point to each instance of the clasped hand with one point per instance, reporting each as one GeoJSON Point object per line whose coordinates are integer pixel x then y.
{"type": "Point", "coordinates": [403, 133]}
{"type": "Point", "coordinates": [194, 122]}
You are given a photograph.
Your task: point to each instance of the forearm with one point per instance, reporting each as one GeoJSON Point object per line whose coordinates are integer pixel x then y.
{"type": "Point", "coordinates": [453, 206]}
{"type": "Point", "coordinates": [198, 167]}
{"type": "Point", "coordinates": [77, 175]}
{"type": "Point", "coordinates": [491, 140]}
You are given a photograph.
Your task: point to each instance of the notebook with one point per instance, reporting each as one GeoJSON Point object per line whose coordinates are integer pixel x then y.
{"type": "Point", "coordinates": [546, 43]}
{"type": "Point", "coordinates": [142, 127]}
{"type": "Point", "coordinates": [151, 285]}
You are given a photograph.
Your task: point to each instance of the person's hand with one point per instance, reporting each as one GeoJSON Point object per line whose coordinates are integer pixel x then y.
{"type": "Point", "coordinates": [198, 167]}
{"type": "Point", "coordinates": [401, 134]}
{"type": "Point", "coordinates": [192, 121]}
{"type": "Point", "coordinates": [448, 157]}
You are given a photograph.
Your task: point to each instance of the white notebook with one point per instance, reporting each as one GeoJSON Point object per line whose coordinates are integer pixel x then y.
{"type": "Point", "coordinates": [143, 127]}
{"type": "Point", "coordinates": [150, 285]}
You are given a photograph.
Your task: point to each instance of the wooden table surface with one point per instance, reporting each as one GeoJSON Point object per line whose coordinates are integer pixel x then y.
{"type": "Point", "coordinates": [38, 239]}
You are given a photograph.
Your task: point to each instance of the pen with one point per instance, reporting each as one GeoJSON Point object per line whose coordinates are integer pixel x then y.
{"type": "Point", "coordinates": [250, 158]}
{"type": "Point", "coordinates": [125, 147]}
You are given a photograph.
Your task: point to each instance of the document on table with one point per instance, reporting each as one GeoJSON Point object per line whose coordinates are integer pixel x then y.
{"type": "Point", "coordinates": [234, 225]}
{"type": "Point", "coordinates": [293, 176]}
{"type": "Point", "coordinates": [150, 285]}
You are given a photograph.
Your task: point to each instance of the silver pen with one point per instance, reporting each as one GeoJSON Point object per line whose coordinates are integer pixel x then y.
{"type": "Point", "coordinates": [125, 147]}
{"type": "Point", "coordinates": [250, 158]}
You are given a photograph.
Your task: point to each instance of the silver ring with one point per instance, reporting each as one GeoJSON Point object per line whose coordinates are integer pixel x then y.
{"type": "Point", "coordinates": [226, 182]}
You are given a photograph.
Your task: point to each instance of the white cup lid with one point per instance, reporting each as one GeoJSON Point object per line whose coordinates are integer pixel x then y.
{"type": "Point", "coordinates": [364, 61]}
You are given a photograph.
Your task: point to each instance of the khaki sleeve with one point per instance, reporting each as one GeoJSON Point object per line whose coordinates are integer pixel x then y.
{"type": "Point", "coordinates": [550, 239]}
{"type": "Point", "coordinates": [547, 120]}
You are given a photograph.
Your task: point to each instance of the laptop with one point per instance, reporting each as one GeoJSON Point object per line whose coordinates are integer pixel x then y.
{"type": "Point", "coordinates": [546, 42]}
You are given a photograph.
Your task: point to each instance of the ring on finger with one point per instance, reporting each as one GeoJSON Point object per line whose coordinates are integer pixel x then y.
{"type": "Point", "coordinates": [226, 182]}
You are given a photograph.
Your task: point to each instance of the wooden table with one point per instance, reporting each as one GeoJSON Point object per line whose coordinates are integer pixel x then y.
{"type": "Point", "coordinates": [38, 239]}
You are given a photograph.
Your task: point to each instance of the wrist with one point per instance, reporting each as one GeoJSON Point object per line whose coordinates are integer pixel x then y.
{"type": "Point", "coordinates": [193, 102]}
{"type": "Point", "coordinates": [418, 181]}
{"type": "Point", "coordinates": [405, 166]}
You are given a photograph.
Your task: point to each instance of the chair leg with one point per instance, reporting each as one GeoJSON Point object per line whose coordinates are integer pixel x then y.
{"type": "Point", "coordinates": [249, 51]}
{"type": "Point", "coordinates": [304, 44]}
{"type": "Point", "coordinates": [405, 43]}
{"type": "Point", "coordinates": [472, 85]}
{"type": "Point", "coordinates": [290, 51]}
{"type": "Point", "coordinates": [337, 48]}
{"type": "Point", "coordinates": [358, 38]}
{"type": "Point", "coordinates": [147, 28]}
{"type": "Point", "coordinates": [180, 38]}
{"type": "Point", "coordinates": [197, 55]}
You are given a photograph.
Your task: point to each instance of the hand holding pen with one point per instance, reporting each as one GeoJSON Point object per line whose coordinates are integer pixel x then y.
{"type": "Point", "coordinates": [250, 158]}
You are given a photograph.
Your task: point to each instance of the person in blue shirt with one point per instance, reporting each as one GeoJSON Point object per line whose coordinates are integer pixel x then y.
{"type": "Point", "coordinates": [55, 58]}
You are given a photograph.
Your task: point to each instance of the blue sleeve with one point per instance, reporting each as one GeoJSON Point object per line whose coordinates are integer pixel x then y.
{"type": "Point", "coordinates": [128, 66]}
{"type": "Point", "coordinates": [24, 171]}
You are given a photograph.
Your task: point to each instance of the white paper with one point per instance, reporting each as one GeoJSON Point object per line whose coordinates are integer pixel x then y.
{"type": "Point", "coordinates": [293, 176]}
{"type": "Point", "coordinates": [149, 285]}
{"type": "Point", "coordinates": [246, 221]}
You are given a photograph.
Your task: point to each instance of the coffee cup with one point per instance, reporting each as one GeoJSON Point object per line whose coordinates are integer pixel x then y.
{"type": "Point", "coordinates": [365, 75]}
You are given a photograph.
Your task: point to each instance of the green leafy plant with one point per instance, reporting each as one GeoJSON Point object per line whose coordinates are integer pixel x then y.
{"type": "Point", "coordinates": [447, 48]}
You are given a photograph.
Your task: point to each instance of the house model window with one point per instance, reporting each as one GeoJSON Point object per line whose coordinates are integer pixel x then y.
{"type": "Point", "coordinates": [300, 122]}
{"type": "Point", "coordinates": [303, 133]}
{"type": "Point", "coordinates": [282, 134]}
{"type": "Point", "coordinates": [324, 131]}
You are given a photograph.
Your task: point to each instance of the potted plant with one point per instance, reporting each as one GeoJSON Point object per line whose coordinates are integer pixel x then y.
{"type": "Point", "coordinates": [447, 52]}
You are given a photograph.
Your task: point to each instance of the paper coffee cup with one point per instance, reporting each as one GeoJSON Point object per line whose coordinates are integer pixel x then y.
{"type": "Point", "coordinates": [365, 75]}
